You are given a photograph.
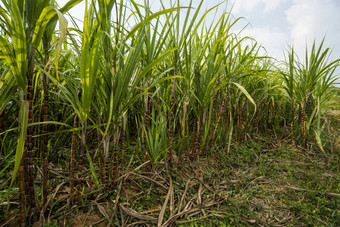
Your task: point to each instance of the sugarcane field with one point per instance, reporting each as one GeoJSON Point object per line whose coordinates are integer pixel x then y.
{"type": "Point", "coordinates": [168, 113]}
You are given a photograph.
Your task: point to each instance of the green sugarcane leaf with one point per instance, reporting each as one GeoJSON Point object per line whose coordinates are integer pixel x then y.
{"type": "Point", "coordinates": [7, 20]}
{"type": "Point", "coordinates": [63, 32]}
{"type": "Point", "coordinates": [318, 139]}
{"type": "Point", "coordinates": [149, 18]}
{"type": "Point", "coordinates": [19, 42]}
{"type": "Point", "coordinates": [12, 62]}
{"type": "Point", "coordinates": [245, 92]}
{"type": "Point", "coordinates": [69, 5]}
{"type": "Point", "coordinates": [21, 140]}
{"type": "Point", "coordinates": [93, 170]}
{"type": "Point", "coordinates": [7, 89]}
{"type": "Point", "coordinates": [45, 17]}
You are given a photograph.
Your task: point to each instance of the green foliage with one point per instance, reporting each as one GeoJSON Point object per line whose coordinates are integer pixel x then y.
{"type": "Point", "coordinates": [169, 82]}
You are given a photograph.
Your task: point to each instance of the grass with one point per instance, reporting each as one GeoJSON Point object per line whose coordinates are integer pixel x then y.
{"type": "Point", "coordinates": [267, 182]}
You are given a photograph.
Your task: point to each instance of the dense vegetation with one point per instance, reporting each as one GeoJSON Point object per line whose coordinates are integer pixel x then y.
{"type": "Point", "coordinates": [163, 108]}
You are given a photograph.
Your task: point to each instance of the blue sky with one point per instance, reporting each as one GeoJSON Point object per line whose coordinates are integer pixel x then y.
{"type": "Point", "coordinates": [275, 23]}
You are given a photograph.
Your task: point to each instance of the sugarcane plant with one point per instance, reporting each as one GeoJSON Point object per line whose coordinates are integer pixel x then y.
{"type": "Point", "coordinates": [161, 87]}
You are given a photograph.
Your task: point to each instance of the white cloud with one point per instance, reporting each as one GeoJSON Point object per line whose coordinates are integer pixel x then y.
{"type": "Point", "coordinates": [250, 5]}
{"type": "Point", "coordinates": [312, 19]}
{"type": "Point", "coordinates": [273, 40]}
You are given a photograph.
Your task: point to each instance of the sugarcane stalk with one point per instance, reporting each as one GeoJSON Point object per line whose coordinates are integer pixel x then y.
{"type": "Point", "coordinates": [184, 118]}
{"type": "Point", "coordinates": [100, 156]}
{"type": "Point", "coordinates": [147, 123]}
{"type": "Point", "coordinates": [239, 123]}
{"type": "Point", "coordinates": [46, 128]}
{"type": "Point", "coordinates": [292, 117]}
{"type": "Point", "coordinates": [192, 150]}
{"type": "Point", "coordinates": [115, 159]}
{"type": "Point", "coordinates": [198, 138]}
{"type": "Point", "coordinates": [22, 195]}
{"type": "Point", "coordinates": [213, 116]}
{"type": "Point", "coordinates": [245, 121]}
{"type": "Point", "coordinates": [81, 158]}
{"type": "Point", "coordinates": [222, 110]}
{"type": "Point", "coordinates": [2, 117]}
{"type": "Point", "coordinates": [106, 160]}
{"type": "Point", "coordinates": [302, 119]}
{"type": "Point", "coordinates": [230, 109]}
{"type": "Point", "coordinates": [307, 112]}
{"type": "Point", "coordinates": [123, 142]}
{"type": "Point", "coordinates": [171, 123]}
{"type": "Point", "coordinates": [73, 154]}
{"type": "Point", "coordinates": [29, 136]}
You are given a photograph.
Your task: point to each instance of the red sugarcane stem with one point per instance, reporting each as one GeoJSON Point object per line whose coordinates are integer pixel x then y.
{"type": "Point", "coordinates": [26, 184]}
{"type": "Point", "coordinates": [239, 124]}
{"type": "Point", "coordinates": [198, 138]}
{"type": "Point", "coordinates": [106, 167]}
{"type": "Point", "coordinates": [45, 149]}
{"type": "Point", "coordinates": [46, 130]}
{"type": "Point", "coordinates": [147, 112]}
{"type": "Point", "coordinates": [27, 157]}
{"type": "Point", "coordinates": [228, 121]}
{"type": "Point", "coordinates": [115, 164]}
{"type": "Point", "coordinates": [100, 162]}
{"type": "Point", "coordinates": [172, 116]}
{"type": "Point", "coordinates": [106, 161]}
{"type": "Point", "coordinates": [244, 121]}
{"type": "Point", "coordinates": [192, 151]}
{"type": "Point", "coordinates": [302, 120]}
{"type": "Point", "coordinates": [73, 154]}
{"type": "Point", "coordinates": [292, 117]}
{"type": "Point", "coordinates": [29, 139]}
{"type": "Point", "coordinates": [220, 114]}
{"type": "Point", "coordinates": [123, 151]}
{"type": "Point", "coordinates": [2, 117]}
{"type": "Point", "coordinates": [123, 143]}
{"type": "Point", "coordinates": [81, 158]}
{"type": "Point", "coordinates": [22, 195]}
